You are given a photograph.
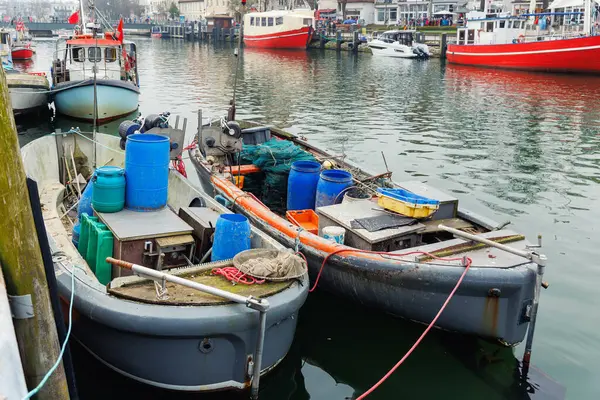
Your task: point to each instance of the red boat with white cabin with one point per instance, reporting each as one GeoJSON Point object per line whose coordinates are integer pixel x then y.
{"type": "Point", "coordinates": [280, 29]}
{"type": "Point", "coordinates": [504, 42]}
{"type": "Point", "coordinates": [21, 47]}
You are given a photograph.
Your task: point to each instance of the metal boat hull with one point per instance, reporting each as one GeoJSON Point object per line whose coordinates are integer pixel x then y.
{"type": "Point", "coordinates": [292, 39]}
{"type": "Point", "coordinates": [76, 99]}
{"type": "Point", "coordinates": [406, 289]}
{"type": "Point", "coordinates": [189, 348]}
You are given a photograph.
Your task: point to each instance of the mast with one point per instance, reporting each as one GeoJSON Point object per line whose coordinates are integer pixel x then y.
{"type": "Point", "coordinates": [82, 17]}
{"type": "Point", "coordinates": [587, 17]}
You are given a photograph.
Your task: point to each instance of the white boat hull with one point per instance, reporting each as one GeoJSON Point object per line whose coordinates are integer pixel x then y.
{"type": "Point", "coordinates": [114, 100]}
{"type": "Point", "coordinates": [24, 100]}
{"type": "Point", "coordinates": [393, 52]}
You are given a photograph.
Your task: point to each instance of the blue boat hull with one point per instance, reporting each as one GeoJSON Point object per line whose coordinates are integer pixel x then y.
{"type": "Point", "coordinates": [115, 99]}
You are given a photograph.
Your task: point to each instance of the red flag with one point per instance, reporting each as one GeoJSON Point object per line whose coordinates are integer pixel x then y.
{"type": "Point", "coordinates": [74, 18]}
{"type": "Point", "coordinates": [120, 31]}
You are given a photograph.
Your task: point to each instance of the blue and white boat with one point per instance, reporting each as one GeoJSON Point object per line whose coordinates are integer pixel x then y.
{"type": "Point", "coordinates": [95, 69]}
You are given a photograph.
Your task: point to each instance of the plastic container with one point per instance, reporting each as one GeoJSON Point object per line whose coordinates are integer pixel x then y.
{"type": "Point", "coordinates": [76, 233]}
{"type": "Point", "coordinates": [146, 171]}
{"type": "Point", "coordinates": [331, 183]}
{"type": "Point", "coordinates": [257, 135]}
{"type": "Point", "coordinates": [336, 234]}
{"type": "Point", "coordinates": [232, 236]}
{"type": "Point", "coordinates": [353, 195]}
{"type": "Point", "coordinates": [307, 219]}
{"type": "Point", "coordinates": [86, 223]}
{"type": "Point", "coordinates": [302, 185]}
{"type": "Point", "coordinates": [406, 203]}
{"type": "Point", "coordinates": [85, 202]}
{"type": "Point", "coordinates": [109, 189]}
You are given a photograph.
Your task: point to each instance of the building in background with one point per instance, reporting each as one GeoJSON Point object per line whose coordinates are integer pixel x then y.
{"type": "Point", "coordinates": [192, 10]}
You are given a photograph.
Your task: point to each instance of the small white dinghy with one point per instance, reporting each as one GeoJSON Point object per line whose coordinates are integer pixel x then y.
{"type": "Point", "coordinates": [28, 92]}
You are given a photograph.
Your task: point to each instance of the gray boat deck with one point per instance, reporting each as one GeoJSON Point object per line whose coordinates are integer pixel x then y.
{"type": "Point", "coordinates": [481, 255]}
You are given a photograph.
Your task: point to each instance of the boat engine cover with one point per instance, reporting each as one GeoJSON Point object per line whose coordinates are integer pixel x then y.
{"type": "Point", "coordinates": [216, 143]}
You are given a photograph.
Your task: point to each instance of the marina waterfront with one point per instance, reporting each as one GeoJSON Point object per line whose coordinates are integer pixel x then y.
{"type": "Point", "coordinates": [511, 145]}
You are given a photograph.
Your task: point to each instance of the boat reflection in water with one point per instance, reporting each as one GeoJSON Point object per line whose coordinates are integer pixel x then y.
{"type": "Point", "coordinates": [357, 347]}
{"type": "Point", "coordinates": [339, 352]}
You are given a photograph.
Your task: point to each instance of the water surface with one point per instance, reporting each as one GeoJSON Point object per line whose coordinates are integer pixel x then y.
{"type": "Point", "coordinates": [514, 146]}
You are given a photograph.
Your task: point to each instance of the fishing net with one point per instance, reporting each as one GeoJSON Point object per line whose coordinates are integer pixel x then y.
{"type": "Point", "coordinates": [274, 158]}
{"type": "Point", "coordinates": [273, 265]}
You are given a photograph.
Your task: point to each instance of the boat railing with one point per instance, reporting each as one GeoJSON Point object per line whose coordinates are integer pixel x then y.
{"type": "Point", "coordinates": [260, 305]}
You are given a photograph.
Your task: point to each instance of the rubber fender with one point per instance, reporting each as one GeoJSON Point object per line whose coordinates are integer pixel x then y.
{"type": "Point", "coordinates": [122, 143]}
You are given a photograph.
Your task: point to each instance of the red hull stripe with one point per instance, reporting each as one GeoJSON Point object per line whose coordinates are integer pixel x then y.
{"type": "Point", "coordinates": [293, 39]}
{"type": "Point", "coordinates": [516, 53]}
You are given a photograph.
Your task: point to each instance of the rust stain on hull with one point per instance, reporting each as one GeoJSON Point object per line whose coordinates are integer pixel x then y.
{"type": "Point", "coordinates": [490, 313]}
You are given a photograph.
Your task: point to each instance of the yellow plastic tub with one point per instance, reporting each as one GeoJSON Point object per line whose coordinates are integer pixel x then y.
{"type": "Point", "coordinates": [406, 203]}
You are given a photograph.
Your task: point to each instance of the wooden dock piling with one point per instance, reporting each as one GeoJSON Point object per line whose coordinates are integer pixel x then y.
{"type": "Point", "coordinates": [22, 264]}
{"type": "Point", "coordinates": [339, 41]}
{"type": "Point", "coordinates": [355, 42]}
{"type": "Point", "coordinates": [443, 45]}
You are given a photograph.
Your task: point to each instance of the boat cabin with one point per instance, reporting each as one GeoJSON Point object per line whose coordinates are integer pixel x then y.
{"type": "Point", "coordinates": [84, 54]}
{"type": "Point", "coordinates": [403, 37]}
{"type": "Point", "coordinates": [276, 21]}
{"type": "Point", "coordinates": [482, 29]}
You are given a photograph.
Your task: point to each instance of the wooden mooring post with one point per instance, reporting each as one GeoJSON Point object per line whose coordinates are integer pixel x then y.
{"type": "Point", "coordinates": [355, 42]}
{"type": "Point", "coordinates": [443, 45]}
{"type": "Point", "coordinates": [338, 40]}
{"type": "Point", "coordinates": [22, 264]}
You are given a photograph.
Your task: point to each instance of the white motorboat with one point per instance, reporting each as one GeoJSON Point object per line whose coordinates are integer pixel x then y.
{"type": "Point", "coordinates": [28, 91]}
{"type": "Point", "coordinates": [400, 44]}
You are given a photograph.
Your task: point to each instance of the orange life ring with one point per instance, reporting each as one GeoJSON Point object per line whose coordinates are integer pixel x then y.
{"type": "Point", "coordinates": [521, 38]}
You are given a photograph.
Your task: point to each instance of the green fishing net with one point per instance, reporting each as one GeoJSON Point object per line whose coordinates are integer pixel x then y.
{"type": "Point", "coordinates": [274, 158]}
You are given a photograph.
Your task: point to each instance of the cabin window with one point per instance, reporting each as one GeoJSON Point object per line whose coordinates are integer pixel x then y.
{"type": "Point", "coordinates": [461, 36]}
{"type": "Point", "coordinates": [263, 21]}
{"type": "Point", "coordinates": [517, 24]}
{"type": "Point", "coordinates": [251, 20]}
{"type": "Point", "coordinates": [78, 54]}
{"type": "Point", "coordinates": [4, 39]}
{"type": "Point", "coordinates": [279, 21]}
{"type": "Point", "coordinates": [95, 54]}
{"type": "Point", "coordinates": [307, 22]}
{"type": "Point", "coordinates": [502, 23]}
{"type": "Point", "coordinates": [509, 24]}
{"type": "Point", "coordinates": [110, 54]}
{"type": "Point", "coordinates": [270, 20]}
{"type": "Point", "coordinates": [471, 36]}
{"type": "Point", "coordinates": [489, 27]}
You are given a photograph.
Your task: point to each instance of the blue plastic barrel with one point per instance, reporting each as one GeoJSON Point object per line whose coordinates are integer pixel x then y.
{"type": "Point", "coordinates": [146, 171]}
{"type": "Point", "coordinates": [331, 183]}
{"type": "Point", "coordinates": [85, 202]}
{"type": "Point", "coordinates": [232, 236]}
{"type": "Point", "coordinates": [302, 185]}
{"type": "Point", "coordinates": [109, 189]}
{"type": "Point", "coordinates": [76, 232]}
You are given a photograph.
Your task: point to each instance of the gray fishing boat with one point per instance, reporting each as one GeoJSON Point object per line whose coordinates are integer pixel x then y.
{"type": "Point", "coordinates": [155, 332]}
{"type": "Point", "coordinates": [402, 267]}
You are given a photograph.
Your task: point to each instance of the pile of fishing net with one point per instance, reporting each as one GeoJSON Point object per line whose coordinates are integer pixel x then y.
{"type": "Point", "coordinates": [272, 265]}
{"type": "Point", "coordinates": [274, 158]}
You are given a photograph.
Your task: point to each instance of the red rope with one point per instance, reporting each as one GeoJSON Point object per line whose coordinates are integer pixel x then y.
{"type": "Point", "coordinates": [431, 324]}
{"type": "Point", "coordinates": [235, 275]}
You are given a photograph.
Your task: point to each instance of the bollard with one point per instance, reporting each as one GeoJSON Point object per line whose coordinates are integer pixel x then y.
{"type": "Point", "coordinates": [338, 39]}
{"type": "Point", "coordinates": [443, 46]}
{"type": "Point", "coordinates": [355, 42]}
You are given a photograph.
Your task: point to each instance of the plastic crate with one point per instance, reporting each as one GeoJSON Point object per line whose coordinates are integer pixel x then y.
{"type": "Point", "coordinates": [307, 219]}
{"type": "Point", "coordinates": [406, 203]}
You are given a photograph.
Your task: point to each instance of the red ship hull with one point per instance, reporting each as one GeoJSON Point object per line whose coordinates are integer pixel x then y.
{"type": "Point", "coordinates": [577, 55]}
{"type": "Point", "coordinates": [22, 53]}
{"type": "Point", "coordinates": [294, 39]}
